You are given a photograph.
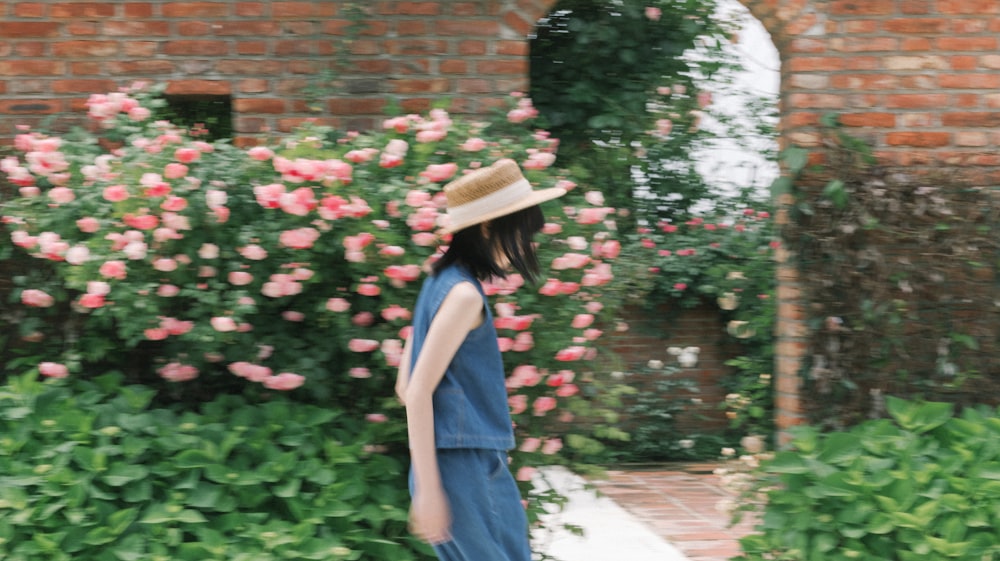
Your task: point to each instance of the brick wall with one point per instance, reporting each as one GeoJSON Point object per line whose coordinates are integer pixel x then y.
{"type": "Point", "coordinates": [919, 79]}
{"type": "Point", "coordinates": [264, 54]}
{"type": "Point", "coordinates": [651, 331]}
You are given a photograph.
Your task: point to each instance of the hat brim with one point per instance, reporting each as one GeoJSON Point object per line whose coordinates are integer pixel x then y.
{"type": "Point", "coordinates": [536, 198]}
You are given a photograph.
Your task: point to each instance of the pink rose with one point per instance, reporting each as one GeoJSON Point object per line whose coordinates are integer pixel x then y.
{"type": "Point", "coordinates": [300, 238]}
{"type": "Point", "coordinates": [362, 345]}
{"type": "Point", "coordinates": [376, 418]}
{"type": "Point", "coordinates": [582, 321]}
{"type": "Point", "coordinates": [368, 289]}
{"type": "Point", "coordinates": [36, 298]}
{"type": "Point", "coordinates": [439, 173]}
{"type": "Point", "coordinates": [240, 278]}
{"type": "Point", "coordinates": [394, 312]}
{"type": "Point", "coordinates": [177, 372]}
{"type": "Point", "coordinates": [552, 445]}
{"type": "Point", "coordinates": [165, 265]}
{"type": "Point", "coordinates": [174, 170]}
{"type": "Point", "coordinates": [518, 403]}
{"type": "Point", "coordinates": [260, 153]}
{"type": "Point", "coordinates": [223, 323]}
{"type": "Point", "coordinates": [156, 333]}
{"type": "Point", "coordinates": [530, 444]}
{"type": "Point", "coordinates": [113, 269]}
{"type": "Point", "coordinates": [473, 145]}
{"type": "Point", "coordinates": [88, 225]}
{"type": "Point", "coordinates": [187, 155]}
{"type": "Point", "coordinates": [526, 473]}
{"type": "Point", "coordinates": [167, 290]}
{"type": "Point", "coordinates": [174, 204]}
{"type": "Point", "coordinates": [253, 252]}
{"type": "Point", "coordinates": [91, 301]}
{"type": "Point", "coordinates": [141, 222]}
{"type": "Point", "coordinates": [53, 369]}
{"type": "Point", "coordinates": [338, 305]}
{"type": "Point", "coordinates": [292, 315]}
{"type": "Point", "coordinates": [543, 405]}
{"type": "Point", "coordinates": [359, 372]}
{"type": "Point", "coordinates": [61, 195]}
{"type": "Point", "coordinates": [571, 353]}
{"type": "Point", "coordinates": [653, 13]}
{"type": "Point", "coordinates": [284, 381]}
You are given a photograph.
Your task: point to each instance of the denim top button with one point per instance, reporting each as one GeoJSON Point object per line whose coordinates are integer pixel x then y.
{"type": "Point", "coordinates": [470, 402]}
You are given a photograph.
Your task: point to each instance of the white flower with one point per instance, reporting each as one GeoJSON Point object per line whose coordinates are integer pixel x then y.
{"type": "Point", "coordinates": [686, 444]}
{"type": "Point", "coordinates": [655, 364]}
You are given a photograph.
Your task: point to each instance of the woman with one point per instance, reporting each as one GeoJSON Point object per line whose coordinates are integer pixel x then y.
{"type": "Point", "coordinates": [465, 502]}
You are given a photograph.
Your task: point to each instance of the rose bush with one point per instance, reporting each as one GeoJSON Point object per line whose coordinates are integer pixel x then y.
{"type": "Point", "coordinates": [202, 268]}
{"type": "Point", "coordinates": [728, 261]}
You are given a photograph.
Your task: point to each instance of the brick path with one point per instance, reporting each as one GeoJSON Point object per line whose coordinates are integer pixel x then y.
{"type": "Point", "coordinates": [678, 501]}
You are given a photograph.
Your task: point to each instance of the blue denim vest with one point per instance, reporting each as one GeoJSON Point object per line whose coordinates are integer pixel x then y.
{"type": "Point", "coordinates": [470, 402]}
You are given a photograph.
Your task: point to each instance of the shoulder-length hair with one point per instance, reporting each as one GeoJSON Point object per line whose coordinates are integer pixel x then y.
{"type": "Point", "coordinates": [509, 235]}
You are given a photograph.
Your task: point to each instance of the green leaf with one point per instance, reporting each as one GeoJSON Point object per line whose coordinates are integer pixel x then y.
{"type": "Point", "coordinates": [835, 191]}
{"type": "Point", "coordinates": [796, 158]}
{"type": "Point", "coordinates": [918, 416]}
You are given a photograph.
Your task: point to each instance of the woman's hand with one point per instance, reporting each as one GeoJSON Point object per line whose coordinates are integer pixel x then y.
{"type": "Point", "coordinates": [430, 516]}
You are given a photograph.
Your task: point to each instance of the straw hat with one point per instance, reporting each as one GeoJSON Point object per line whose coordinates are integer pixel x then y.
{"type": "Point", "coordinates": [492, 192]}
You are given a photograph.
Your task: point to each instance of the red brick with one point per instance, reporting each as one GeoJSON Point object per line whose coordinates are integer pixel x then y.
{"type": "Point", "coordinates": [473, 86]}
{"type": "Point", "coordinates": [83, 86]}
{"type": "Point", "coordinates": [968, 26]}
{"type": "Point", "coordinates": [136, 28]}
{"type": "Point", "coordinates": [251, 48]}
{"type": "Point", "coordinates": [195, 9]}
{"type": "Point", "coordinates": [512, 48]}
{"type": "Point", "coordinates": [967, 43]}
{"type": "Point", "coordinates": [964, 62]}
{"type": "Point", "coordinates": [864, 44]}
{"type": "Point", "coordinates": [416, 85]}
{"type": "Point", "coordinates": [522, 26]}
{"type": "Point", "coordinates": [494, 67]}
{"type": "Point", "coordinates": [356, 106]}
{"type": "Point", "coordinates": [914, 44]}
{"type": "Point", "coordinates": [409, 8]}
{"type": "Point", "coordinates": [467, 28]}
{"type": "Point", "coordinates": [970, 81]}
{"type": "Point", "coordinates": [862, 7]}
{"type": "Point", "coordinates": [21, 29]}
{"type": "Point", "coordinates": [814, 64]}
{"type": "Point", "coordinates": [920, 26]}
{"type": "Point", "coordinates": [30, 49]}
{"type": "Point", "coordinates": [141, 67]}
{"type": "Point", "coordinates": [416, 47]}
{"type": "Point", "coordinates": [194, 28]}
{"type": "Point", "coordinates": [918, 139]}
{"type": "Point", "coordinates": [258, 105]}
{"type": "Point", "coordinates": [860, 26]}
{"type": "Point", "coordinates": [200, 48]}
{"type": "Point", "coordinates": [816, 101]}
{"type": "Point", "coordinates": [404, 28]}
{"type": "Point", "coordinates": [244, 28]}
{"type": "Point", "coordinates": [412, 67]}
{"type": "Point", "coordinates": [89, 68]}
{"type": "Point", "coordinates": [880, 120]}
{"type": "Point", "coordinates": [3, 87]}
{"type": "Point", "coordinates": [471, 47]}
{"type": "Point", "coordinates": [82, 10]}
{"type": "Point", "coordinates": [302, 9]}
{"type": "Point", "coordinates": [82, 49]}
{"type": "Point", "coordinates": [82, 28]}
{"type": "Point", "coordinates": [971, 119]}
{"type": "Point", "coordinates": [198, 87]}
{"type": "Point", "coordinates": [863, 82]}
{"type": "Point", "coordinates": [254, 85]}
{"type": "Point", "coordinates": [977, 7]}
{"type": "Point", "coordinates": [415, 104]}
{"type": "Point", "coordinates": [453, 67]}
{"type": "Point", "coordinates": [139, 48]}
{"type": "Point", "coordinates": [913, 101]}
{"type": "Point", "coordinates": [32, 68]}
{"type": "Point", "coordinates": [138, 10]}
{"type": "Point", "coordinates": [249, 9]}
{"type": "Point", "coordinates": [29, 10]}
{"type": "Point", "coordinates": [916, 7]}
{"type": "Point", "coordinates": [248, 124]}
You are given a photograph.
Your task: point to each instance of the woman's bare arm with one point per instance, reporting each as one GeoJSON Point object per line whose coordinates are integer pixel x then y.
{"type": "Point", "coordinates": [461, 311]}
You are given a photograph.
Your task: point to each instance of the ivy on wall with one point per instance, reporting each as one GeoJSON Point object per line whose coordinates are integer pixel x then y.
{"type": "Point", "coordinates": [899, 278]}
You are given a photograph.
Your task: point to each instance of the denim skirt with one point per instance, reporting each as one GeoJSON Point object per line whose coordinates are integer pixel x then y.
{"type": "Point", "coordinates": [488, 519]}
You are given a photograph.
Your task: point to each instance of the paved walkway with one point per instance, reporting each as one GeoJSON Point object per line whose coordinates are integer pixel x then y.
{"type": "Point", "coordinates": [679, 503]}
{"type": "Point", "coordinates": [662, 513]}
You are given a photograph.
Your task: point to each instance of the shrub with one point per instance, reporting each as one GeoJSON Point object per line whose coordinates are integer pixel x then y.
{"type": "Point", "coordinates": [93, 472]}
{"type": "Point", "coordinates": [199, 268]}
{"type": "Point", "coordinates": [923, 485]}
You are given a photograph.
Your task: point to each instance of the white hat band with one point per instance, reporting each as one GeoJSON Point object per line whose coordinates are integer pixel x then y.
{"type": "Point", "coordinates": [472, 210]}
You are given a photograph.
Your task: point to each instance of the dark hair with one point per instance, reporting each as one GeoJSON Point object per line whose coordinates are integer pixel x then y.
{"type": "Point", "coordinates": [510, 235]}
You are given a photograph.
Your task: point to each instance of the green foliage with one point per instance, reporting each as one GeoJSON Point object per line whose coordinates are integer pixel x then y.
{"type": "Point", "coordinates": [923, 485]}
{"type": "Point", "coordinates": [627, 87]}
{"type": "Point", "coordinates": [94, 472]}
{"type": "Point", "coordinates": [899, 273]}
